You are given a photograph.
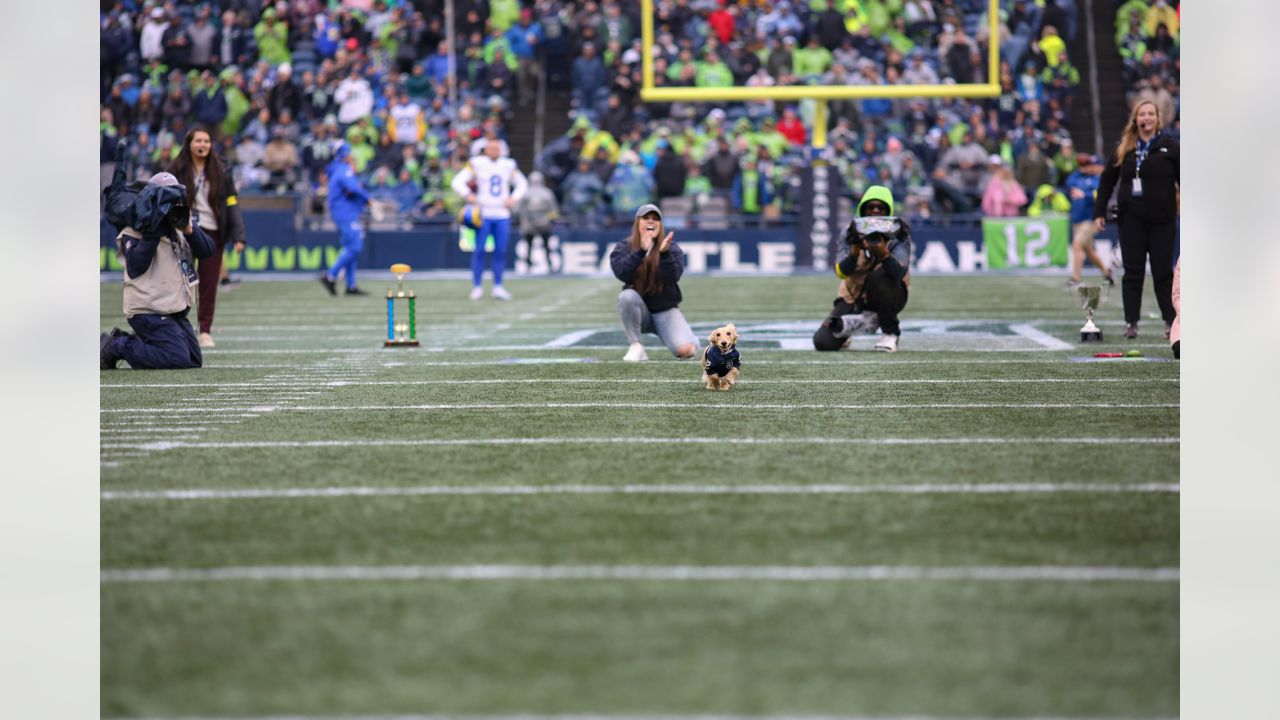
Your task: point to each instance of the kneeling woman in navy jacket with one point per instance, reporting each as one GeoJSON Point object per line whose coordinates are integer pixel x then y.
{"type": "Point", "coordinates": [650, 269]}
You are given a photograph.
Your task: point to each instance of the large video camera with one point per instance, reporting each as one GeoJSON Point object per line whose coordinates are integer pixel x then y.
{"type": "Point", "coordinates": [871, 230]}
{"type": "Point", "coordinates": [179, 215]}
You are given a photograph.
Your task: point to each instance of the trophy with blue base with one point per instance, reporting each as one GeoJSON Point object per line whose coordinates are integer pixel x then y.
{"type": "Point", "coordinates": [401, 332]}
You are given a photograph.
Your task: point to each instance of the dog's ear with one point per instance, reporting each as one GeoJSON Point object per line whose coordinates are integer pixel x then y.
{"type": "Point", "coordinates": [712, 336]}
{"type": "Point", "coordinates": [735, 337]}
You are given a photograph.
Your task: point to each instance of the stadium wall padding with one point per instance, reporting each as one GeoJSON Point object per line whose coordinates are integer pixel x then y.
{"type": "Point", "coordinates": [278, 244]}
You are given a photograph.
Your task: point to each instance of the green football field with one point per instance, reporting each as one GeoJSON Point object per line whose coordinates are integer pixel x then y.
{"type": "Point", "coordinates": [510, 521]}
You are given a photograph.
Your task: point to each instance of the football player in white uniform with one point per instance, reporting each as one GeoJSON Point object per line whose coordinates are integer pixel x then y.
{"type": "Point", "coordinates": [499, 185]}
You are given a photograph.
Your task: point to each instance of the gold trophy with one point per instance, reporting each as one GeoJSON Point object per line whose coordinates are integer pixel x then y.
{"type": "Point", "coordinates": [1091, 298]}
{"type": "Point", "coordinates": [401, 333]}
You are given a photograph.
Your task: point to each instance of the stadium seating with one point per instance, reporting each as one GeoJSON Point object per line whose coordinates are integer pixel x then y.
{"type": "Point", "coordinates": [873, 43]}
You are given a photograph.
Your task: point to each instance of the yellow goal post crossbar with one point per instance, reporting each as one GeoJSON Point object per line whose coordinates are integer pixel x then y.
{"type": "Point", "coordinates": [651, 93]}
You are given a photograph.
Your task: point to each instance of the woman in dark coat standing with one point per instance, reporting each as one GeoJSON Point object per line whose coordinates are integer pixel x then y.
{"type": "Point", "coordinates": [211, 194]}
{"type": "Point", "coordinates": [1146, 170]}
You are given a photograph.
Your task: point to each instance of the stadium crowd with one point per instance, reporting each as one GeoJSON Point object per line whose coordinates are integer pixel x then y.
{"type": "Point", "coordinates": [277, 83]}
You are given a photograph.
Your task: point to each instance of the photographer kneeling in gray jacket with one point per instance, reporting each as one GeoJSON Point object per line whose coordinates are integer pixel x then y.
{"type": "Point", "coordinates": [159, 248]}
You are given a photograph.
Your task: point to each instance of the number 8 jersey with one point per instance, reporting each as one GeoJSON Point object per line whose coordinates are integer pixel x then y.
{"type": "Point", "coordinates": [494, 185]}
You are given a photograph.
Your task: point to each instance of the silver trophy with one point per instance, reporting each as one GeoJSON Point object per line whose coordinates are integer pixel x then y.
{"type": "Point", "coordinates": [1091, 298]}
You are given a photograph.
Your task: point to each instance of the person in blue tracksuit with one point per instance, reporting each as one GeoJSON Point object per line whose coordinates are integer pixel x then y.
{"type": "Point", "coordinates": [347, 198]}
{"type": "Point", "coordinates": [1082, 186]}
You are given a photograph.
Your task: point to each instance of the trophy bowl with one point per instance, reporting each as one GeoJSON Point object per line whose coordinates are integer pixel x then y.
{"type": "Point", "coordinates": [1091, 298]}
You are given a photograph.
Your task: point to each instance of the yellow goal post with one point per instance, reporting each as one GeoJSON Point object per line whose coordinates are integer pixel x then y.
{"type": "Point", "coordinates": [651, 93]}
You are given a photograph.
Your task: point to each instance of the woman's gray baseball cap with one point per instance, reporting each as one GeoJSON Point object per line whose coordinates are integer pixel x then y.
{"type": "Point", "coordinates": [646, 209]}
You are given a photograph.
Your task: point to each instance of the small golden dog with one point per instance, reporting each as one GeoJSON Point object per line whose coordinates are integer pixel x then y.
{"type": "Point", "coordinates": [720, 361]}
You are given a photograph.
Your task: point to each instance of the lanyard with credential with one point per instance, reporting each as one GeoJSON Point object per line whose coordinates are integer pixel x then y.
{"type": "Point", "coordinates": [195, 214]}
{"type": "Point", "coordinates": [1140, 155]}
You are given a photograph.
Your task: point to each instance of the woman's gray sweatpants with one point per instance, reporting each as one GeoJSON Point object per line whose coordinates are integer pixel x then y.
{"type": "Point", "coordinates": [669, 325]}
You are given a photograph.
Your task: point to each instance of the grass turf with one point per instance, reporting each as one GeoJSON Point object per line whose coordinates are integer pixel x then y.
{"type": "Point", "coordinates": [294, 366]}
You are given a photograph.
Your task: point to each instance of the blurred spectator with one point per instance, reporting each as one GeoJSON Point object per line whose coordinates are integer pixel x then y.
{"type": "Point", "coordinates": [151, 44]}
{"type": "Point", "coordinates": [1033, 168]}
{"type": "Point", "coordinates": [752, 190]}
{"type": "Point", "coordinates": [272, 37]}
{"type": "Point", "coordinates": [721, 168]}
{"type": "Point", "coordinates": [536, 211]}
{"type": "Point", "coordinates": [791, 127]}
{"type": "Point", "coordinates": [363, 149]}
{"type": "Point", "coordinates": [1156, 93]}
{"type": "Point", "coordinates": [810, 62]}
{"type": "Point", "coordinates": [259, 128]}
{"type": "Point", "coordinates": [1163, 42]}
{"type": "Point", "coordinates": [437, 66]}
{"type": "Point", "coordinates": [177, 45]}
{"type": "Point", "coordinates": [284, 95]}
{"type": "Point", "coordinates": [318, 151]}
{"type": "Point", "coordinates": [1160, 13]}
{"type": "Point", "coordinates": [387, 153]}
{"type": "Point", "coordinates": [962, 172]}
{"type": "Point", "coordinates": [408, 123]}
{"type": "Point", "coordinates": [147, 112]}
{"type": "Point", "coordinates": [779, 22]}
{"type": "Point", "coordinates": [617, 117]}
{"type": "Point", "coordinates": [233, 40]}
{"type": "Point", "coordinates": [697, 188]}
{"type": "Point", "coordinates": [354, 97]}
{"type": "Point", "coordinates": [203, 35]}
{"type": "Point", "coordinates": [588, 77]}
{"type": "Point", "coordinates": [829, 27]}
{"type": "Point", "coordinates": [712, 72]}
{"type": "Point", "coordinates": [1052, 15]}
{"type": "Point", "coordinates": [1003, 197]}
{"type": "Point", "coordinates": [1048, 199]}
{"type": "Point", "coordinates": [602, 165]}
{"type": "Point", "coordinates": [524, 38]}
{"type": "Point", "coordinates": [631, 185]}
{"type": "Point", "coordinates": [669, 172]}
{"type": "Point", "coordinates": [583, 192]}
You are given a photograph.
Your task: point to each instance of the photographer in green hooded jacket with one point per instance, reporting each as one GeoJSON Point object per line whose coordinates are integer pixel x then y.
{"type": "Point", "coordinates": [873, 276]}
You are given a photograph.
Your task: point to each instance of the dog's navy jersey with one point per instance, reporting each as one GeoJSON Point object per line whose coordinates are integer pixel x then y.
{"type": "Point", "coordinates": [719, 363]}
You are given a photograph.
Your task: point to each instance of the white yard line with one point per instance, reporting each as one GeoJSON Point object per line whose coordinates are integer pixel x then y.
{"type": "Point", "coordinates": [731, 406]}
{"type": "Point", "coordinates": [445, 490]}
{"type": "Point", "coordinates": [554, 441]}
{"type": "Point", "coordinates": [670, 573]}
{"type": "Point", "coordinates": [374, 348]}
{"type": "Point", "coordinates": [280, 385]}
{"type": "Point", "coordinates": [406, 359]}
{"type": "Point", "coordinates": [526, 716]}
{"type": "Point", "coordinates": [572, 338]}
{"type": "Point", "coordinates": [1040, 337]}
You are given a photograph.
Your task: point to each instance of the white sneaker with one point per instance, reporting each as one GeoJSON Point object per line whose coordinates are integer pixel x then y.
{"type": "Point", "coordinates": [500, 293]}
{"type": "Point", "coordinates": [888, 343]}
{"type": "Point", "coordinates": [206, 340]}
{"type": "Point", "coordinates": [477, 292]}
{"type": "Point", "coordinates": [636, 353]}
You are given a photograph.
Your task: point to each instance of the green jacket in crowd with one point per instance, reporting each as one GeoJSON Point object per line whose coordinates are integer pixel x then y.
{"type": "Point", "coordinates": [808, 61]}
{"type": "Point", "coordinates": [273, 42]}
{"type": "Point", "coordinates": [713, 74]}
{"type": "Point", "coordinates": [1048, 199]}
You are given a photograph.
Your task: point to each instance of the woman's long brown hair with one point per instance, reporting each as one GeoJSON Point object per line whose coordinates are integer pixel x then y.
{"type": "Point", "coordinates": [646, 280]}
{"type": "Point", "coordinates": [1129, 140]}
{"type": "Point", "coordinates": [184, 168]}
